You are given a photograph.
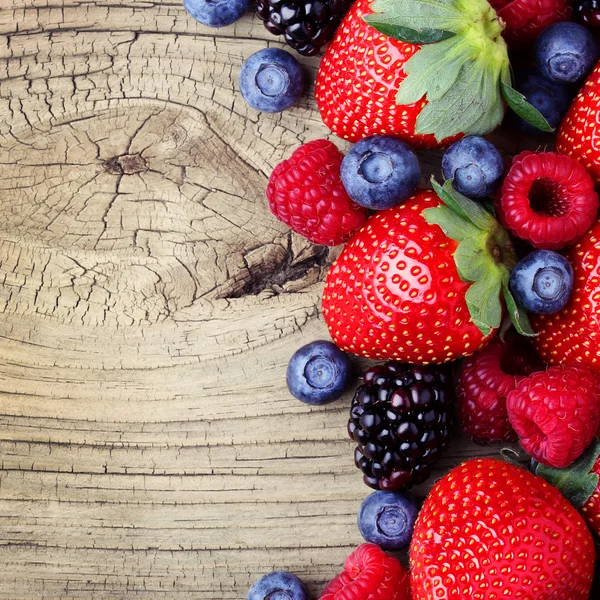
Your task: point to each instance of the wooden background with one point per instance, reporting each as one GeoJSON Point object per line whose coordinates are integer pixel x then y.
{"type": "Point", "coordinates": [149, 304]}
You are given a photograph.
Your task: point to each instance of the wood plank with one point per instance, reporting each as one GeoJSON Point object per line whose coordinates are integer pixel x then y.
{"type": "Point", "coordinates": [149, 305]}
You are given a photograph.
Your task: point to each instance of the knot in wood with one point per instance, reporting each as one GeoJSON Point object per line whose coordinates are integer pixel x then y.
{"type": "Point", "coordinates": [127, 164]}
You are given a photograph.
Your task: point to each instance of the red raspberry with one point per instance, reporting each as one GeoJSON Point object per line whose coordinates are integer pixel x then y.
{"type": "Point", "coordinates": [485, 380]}
{"type": "Point", "coordinates": [556, 413]}
{"type": "Point", "coordinates": [526, 19]}
{"type": "Point", "coordinates": [547, 199]}
{"type": "Point", "coordinates": [307, 194]}
{"type": "Point", "coordinates": [369, 574]}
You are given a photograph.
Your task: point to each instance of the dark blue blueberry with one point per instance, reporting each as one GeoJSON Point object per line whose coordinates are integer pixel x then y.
{"type": "Point", "coordinates": [278, 585]}
{"type": "Point", "coordinates": [388, 519]}
{"type": "Point", "coordinates": [216, 13]}
{"type": "Point", "coordinates": [565, 52]}
{"type": "Point", "coordinates": [550, 98]}
{"type": "Point", "coordinates": [318, 373]}
{"type": "Point", "coordinates": [475, 165]}
{"type": "Point", "coordinates": [542, 282]}
{"type": "Point", "coordinates": [380, 172]}
{"type": "Point", "coordinates": [271, 80]}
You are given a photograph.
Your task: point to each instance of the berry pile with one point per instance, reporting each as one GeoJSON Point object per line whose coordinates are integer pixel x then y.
{"type": "Point", "coordinates": [448, 284]}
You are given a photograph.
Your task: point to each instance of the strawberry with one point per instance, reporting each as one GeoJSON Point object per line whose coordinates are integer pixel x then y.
{"type": "Point", "coordinates": [580, 484]}
{"type": "Point", "coordinates": [421, 282]}
{"type": "Point", "coordinates": [490, 530]}
{"type": "Point", "coordinates": [425, 71]}
{"type": "Point", "coordinates": [571, 335]}
{"type": "Point", "coordinates": [579, 133]}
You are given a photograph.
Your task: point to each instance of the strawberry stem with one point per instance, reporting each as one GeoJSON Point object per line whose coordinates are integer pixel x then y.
{"type": "Point", "coordinates": [462, 68]}
{"type": "Point", "coordinates": [484, 257]}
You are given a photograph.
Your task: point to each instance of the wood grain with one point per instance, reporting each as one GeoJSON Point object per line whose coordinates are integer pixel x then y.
{"type": "Point", "coordinates": [149, 305]}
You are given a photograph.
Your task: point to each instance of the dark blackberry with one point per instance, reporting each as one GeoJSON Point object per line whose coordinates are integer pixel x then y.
{"type": "Point", "coordinates": [587, 12]}
{"type": "Point", "coordinates": [307, 25]}
{"type": "Point", "coordinates": [400, 419]}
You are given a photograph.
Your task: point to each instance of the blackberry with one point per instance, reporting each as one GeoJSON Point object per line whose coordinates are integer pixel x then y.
{"type": "Point", "coordinates": [400, 419]}
{"type": "Point", "coordinates": [587, 12]}
{"type": "Point", "coordinates": [307, 25]}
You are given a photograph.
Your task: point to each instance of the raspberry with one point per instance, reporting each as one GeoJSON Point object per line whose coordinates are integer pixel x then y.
{"type": "Point", "coordinates": [556, 413]}
{"type": "Point", "coordinates": [547, 199]}
{"type": "Point", "coordinates": [526, 19]}
{"type": "Point", "coordinates": [307, 194]}
{"type": "Point", "coordinates": [369, 574]}
{"type": "Point", "coordinates": [485, 380]}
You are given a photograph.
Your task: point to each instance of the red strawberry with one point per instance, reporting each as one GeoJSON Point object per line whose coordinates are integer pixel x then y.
{"type": "Point", "coordinates": [580, 483]}
{"type": "Point", "coordinates": [579, 133]}
{"type": "Point", "coordinates": [556, 413]}
{"type": "Point", "coordinates": [490, 530]}
{"type": "Point", "coordinates": [307, 194]}
{"type": "Point", "coordinates": [572, 334]}
{"type": "Point", "coordinates": [369, 574]}
{"type": "Point", "coordinates": [372, 108]}
{"type": "Point", "coordinates": [395, 290]}
{"type": "Point", "coordinates": [485, 380]}
{"type": "Point", "coordinates": [422, 71]}
{"type": "Point", "coordinates": [526, 19]}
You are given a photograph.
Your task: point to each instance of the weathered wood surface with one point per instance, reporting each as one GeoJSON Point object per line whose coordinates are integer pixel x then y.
{"type": "Point", "coordinates": [149, 304]}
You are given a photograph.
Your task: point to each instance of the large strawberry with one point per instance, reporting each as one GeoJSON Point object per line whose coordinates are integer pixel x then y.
{"type": "Point", "coordinates": [572, 335]}
{"type": "Point", "coordinates": [491, 530]}
{"type": "Point", "coordinates": [580, 484]}
{"type": "Point", "coordinates": [426, 71]}
{"type": "Point", "coordinates": [422, 282]}
{"type": "Point", "coordinates": [579, 133]}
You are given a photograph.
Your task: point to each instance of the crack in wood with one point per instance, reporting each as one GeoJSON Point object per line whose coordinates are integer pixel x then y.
{"type": "Point", "coordinates": [275, 274]}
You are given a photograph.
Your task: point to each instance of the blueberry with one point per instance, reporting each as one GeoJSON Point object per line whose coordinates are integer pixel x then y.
{"type": "Point", "coordinates": [475, 165]}
{"type": "Point", "coordinates": [565, 52]}
{"type": "Point", "coordinates": [550, 98]}
{"type": "Point", "coordinates": [278, 585]}
{"type": "Point", "coordinates": [388, 519]}
{"type": "Point", "coordinates": [542, 282]}
{"type": "Point", "coordinates": [318, 373]}
{"type": "Point", "coordinates": [271, 80]}
{"type": "Point", "coordinates": [380, 172]}
{"type": "Point", "coordinates": [216, 13]}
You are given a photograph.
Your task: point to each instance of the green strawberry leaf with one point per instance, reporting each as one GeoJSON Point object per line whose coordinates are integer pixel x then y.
{"type": "Point", "coordinates": [451, 224]}
{"type": "Point", "coordinates": [419, 15]}
{"type": "Point", "coordinates": [517, 313]}
{"type": "Point", "coordinates": [406, 34]}
{"type": "Point", "coordinates": [488, 204]}
{"type": "Point", "coordinates": [465, 207]}
{"type": "Point", "coordinates": [576, 482]}
{"type": "Point", "coordinates": [473, 260]}
{"type": "Point", "coordinates": [447, 199]}
{"type": "Point", "coordinates": [432, 71]}
{"type": "Point", "coordinates": [483, 301]}
{"type": "Point", "coordinates": [493, 115]}
{"type": "Point", "coordinates": [471, 105]}
{"type": "Point", "coordinates": [523, 109]}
